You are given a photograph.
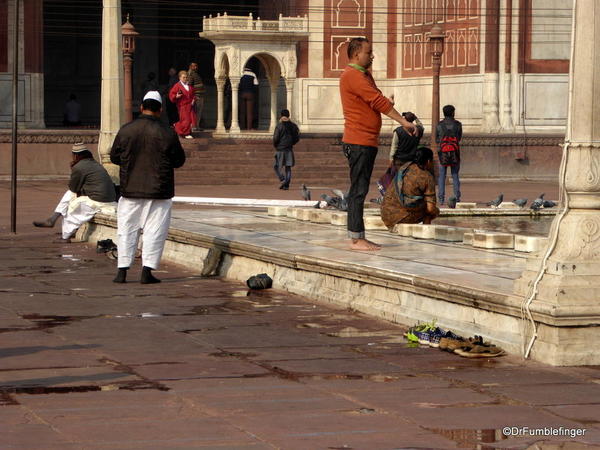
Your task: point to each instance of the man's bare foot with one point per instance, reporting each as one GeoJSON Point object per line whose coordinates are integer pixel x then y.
{"type": "Point", "coordinates": [364, 244]}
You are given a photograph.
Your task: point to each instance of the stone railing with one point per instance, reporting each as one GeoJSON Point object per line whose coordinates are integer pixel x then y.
{"type": "Point", "coordinates": [248, 23]}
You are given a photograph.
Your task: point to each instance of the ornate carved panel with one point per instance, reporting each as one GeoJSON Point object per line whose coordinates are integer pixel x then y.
{"type": "Point", "coordinates": [344, 20]}
{"type": "Point", "coordinates": [461, 23]}
{"type": "Point", "coordinates": [348, 14]}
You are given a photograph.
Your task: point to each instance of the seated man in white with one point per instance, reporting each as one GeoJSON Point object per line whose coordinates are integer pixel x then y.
{"type": "Point", "coordinates": [90, 190]}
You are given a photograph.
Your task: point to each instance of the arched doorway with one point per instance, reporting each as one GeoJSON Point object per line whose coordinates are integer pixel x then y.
{"type": "Point", "coordinates": [259, 103]}
{"type": "Point", "coordinates": [268, 46]}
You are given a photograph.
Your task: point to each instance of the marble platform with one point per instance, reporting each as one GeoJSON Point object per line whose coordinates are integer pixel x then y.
{"type": "Point", "coordinates": [467, 289]}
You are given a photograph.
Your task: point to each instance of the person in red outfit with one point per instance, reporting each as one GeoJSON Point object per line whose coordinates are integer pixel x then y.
{"type": "Point", "coordinates": [182, 94]}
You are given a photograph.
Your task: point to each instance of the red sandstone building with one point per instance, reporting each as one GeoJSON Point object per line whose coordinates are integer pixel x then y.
{"type": "Point", "coordinates": [504, 66]}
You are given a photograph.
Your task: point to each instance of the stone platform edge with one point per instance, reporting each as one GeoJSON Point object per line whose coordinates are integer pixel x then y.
{"type": "Point", "coordinates": [387, 295]}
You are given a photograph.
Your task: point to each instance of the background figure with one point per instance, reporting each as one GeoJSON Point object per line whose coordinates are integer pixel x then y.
{"type": "Point", "coordinates": [147, 186]}
{"type": "Point", "coordinates": [450, 130]}
{"type": "Point", "coordinates": [285, 136]}
{"type": "Point", "coordinates": [403, 149]}
{"type": "Point", "coordinates": [90, 189]}
{"type": "Point", "coordinates": [150, 83]}
{"type": "Point", "coordinates": [182, 94]}
{"type": "Point", "coordinates": [248, 88]}
{"type": "Point", "coordinates": [195, 80]}
{"type": "Point", "coordinates": [72, 112]}
{"type": "Point", "coordinates": [172, 114]}
{"type": "Point", "coordinates": [363, 103]}
{"type": "Point", "coordinates": [404, 145]}
{"type": "Point", "coordinates": [411, 196]}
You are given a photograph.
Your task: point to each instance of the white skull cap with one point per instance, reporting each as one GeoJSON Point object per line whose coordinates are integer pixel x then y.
{"type": "Point", "coordinates": [153, 95]}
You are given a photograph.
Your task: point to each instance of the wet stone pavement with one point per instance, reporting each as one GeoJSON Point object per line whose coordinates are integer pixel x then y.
{"type": "Point", "coordinates": [201, 363]}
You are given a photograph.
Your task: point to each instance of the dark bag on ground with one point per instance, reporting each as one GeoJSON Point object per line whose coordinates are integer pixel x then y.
{"type": "Point", "coordinates": [260, 281]}
{"type": "Point", "coordinates": [449, 148]}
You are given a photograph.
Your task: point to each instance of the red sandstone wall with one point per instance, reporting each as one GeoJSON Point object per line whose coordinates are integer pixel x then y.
{"type": "Point", "coordinates": [44, 160]}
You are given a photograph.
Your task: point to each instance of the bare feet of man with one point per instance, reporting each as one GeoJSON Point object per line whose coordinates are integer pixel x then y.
{"type": "Point", "coordinates": [364, 244]}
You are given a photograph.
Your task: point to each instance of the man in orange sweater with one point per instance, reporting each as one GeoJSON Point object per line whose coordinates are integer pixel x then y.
{"type": "Point", "coordinates": [363, 104]}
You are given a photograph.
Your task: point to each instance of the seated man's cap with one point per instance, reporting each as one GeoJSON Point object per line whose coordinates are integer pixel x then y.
{"type": "Point", "coordinates": [79, 147]}
{"type": "Point", "coordinates": [153, 95]}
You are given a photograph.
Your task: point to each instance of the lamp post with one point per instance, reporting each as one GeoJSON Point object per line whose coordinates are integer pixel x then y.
{"type": "Point", "coordinates": [436, 46]}
{"type": "Point", "coordinates": [128, 40]}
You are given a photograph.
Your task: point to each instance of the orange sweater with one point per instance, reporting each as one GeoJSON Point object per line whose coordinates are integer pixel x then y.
{"type": "Point", "coordinates": [363, 105]}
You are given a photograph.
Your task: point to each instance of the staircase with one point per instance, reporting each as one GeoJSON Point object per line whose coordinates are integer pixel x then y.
{"type": "Point", "coordinates": [249, 161]}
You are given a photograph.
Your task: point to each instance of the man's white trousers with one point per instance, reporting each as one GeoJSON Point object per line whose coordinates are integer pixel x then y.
{"type": "Point", "coordinates": [76, 211]}
{"type": "Point", "coordinates": [137, 214]}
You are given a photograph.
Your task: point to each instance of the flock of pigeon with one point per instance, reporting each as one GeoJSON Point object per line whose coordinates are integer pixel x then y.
{"type": "Point", "coordinates": [339, 200]}
{"type": "Point", "coordinates": [522, 202]}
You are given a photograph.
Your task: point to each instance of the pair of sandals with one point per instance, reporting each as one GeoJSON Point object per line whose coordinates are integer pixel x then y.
{"type": "Point", "coordinates": [476, 348]}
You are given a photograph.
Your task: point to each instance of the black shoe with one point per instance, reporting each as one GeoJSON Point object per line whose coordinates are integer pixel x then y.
{"type": "Point", "coordinates": [282, 185]}
{"type": "Point", "coordinates": [147, 277]}
{"type": "Point", "coordinates": [121, 276]}
{"type": "Point", "coordinates": [285, 188]}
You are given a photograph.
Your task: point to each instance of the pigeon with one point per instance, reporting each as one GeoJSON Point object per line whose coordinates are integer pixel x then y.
{"type": "Point", "coordinates": [495, 203]}
{"type": "Point", "coordinates": [538, 202]}
{"type": "Point", "coordinates": [333, 202]}
{"type": "Point", "coordinates": [305, 192]}
{"type": "Point", "coordinates": [378, 200]}
{"type": "Point", "coordinates": [339, 193]}
{"type": "Point", "coordinates": [452, 202]}
{"type": "Point", "coordinates": [330, 201]}
{"type": "Point", "coordinates": [548, 204]}
{"type": "Point", "coordinates": [520, 202]}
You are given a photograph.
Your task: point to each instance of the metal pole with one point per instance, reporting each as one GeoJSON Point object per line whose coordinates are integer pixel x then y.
{"type": "Point", "coordinates": [15, 103]}
{"type": "Point", "coordinates": [435, 98]}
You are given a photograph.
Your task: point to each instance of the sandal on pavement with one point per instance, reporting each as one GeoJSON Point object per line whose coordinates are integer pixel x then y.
{"type": "Point", "coordinates": [480, 351]}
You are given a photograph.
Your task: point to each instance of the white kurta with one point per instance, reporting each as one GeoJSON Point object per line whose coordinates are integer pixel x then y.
{"type": "Point", "coordinates": [137, 214]}
{"type": "Point", "coordinates": [78, 210]}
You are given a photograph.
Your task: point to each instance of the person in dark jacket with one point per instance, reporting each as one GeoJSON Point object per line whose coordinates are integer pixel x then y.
{"type": "Point", "coordinates": [90, 190]}
{"type": "Point", "coordinates": [147, 151]}
{"type": "Point", "coordinates": [404, 145]}
{"type": "Point", "coordinates": [285, 136]}
{"type": "Point", "coordinates": [449, 126]}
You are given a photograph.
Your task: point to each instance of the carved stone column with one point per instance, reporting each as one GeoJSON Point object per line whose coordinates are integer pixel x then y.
{"type": "Point", "coordinates": [112, 114]}
{"type": "Point", "coordinates": [571, 283]}
{"type": "Point", "coordinates": [220, 105]}
{"type": "Point", "coordinates": [235, 122]}
{"type": "Point", "coordinates": [274, 88]}
{"type": "Point", "coordinates": [505, 82]}
{"type": "Point", "coordinates": [289, 91]}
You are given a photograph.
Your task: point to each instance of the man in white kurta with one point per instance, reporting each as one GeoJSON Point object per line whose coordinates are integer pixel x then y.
{"type": "Point", "coordinates": [90, 190]}
{"type": "Point", "coordinates": [147, 152]}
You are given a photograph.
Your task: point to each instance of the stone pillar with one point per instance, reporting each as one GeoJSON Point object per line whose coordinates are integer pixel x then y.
{"type": "Point", "coordinates": [289, 94]}
{"type": "Point", "coordinates": [220, 105]}
{"type": "Point", "coordinates": [111, 96]}
{"type": "Point", "coordinates": [274, 88]}
{"type": "Point", "coordinates": [568, 290]}
{"type": "Point", "coordinates": [505, 92]}
{"type": "Point", "coordinates": [235, 121]}
{"type": "Point", "coordinates": [32, 32]}
{"type": "Point", "coordinates": [491, 120]}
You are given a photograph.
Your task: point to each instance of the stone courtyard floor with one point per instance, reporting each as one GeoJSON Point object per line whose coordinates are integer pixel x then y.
{"type": "Point", "coordinates": [198, 363]}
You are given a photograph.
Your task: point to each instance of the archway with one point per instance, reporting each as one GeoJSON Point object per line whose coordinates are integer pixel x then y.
{"type": "Point", "coordinates": [259, 105]}
{"type": "Point", "coordinates": [243, 40]}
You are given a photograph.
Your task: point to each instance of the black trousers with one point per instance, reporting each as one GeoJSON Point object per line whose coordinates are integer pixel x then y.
{"type": "Point", "coordinates": [361, 159]}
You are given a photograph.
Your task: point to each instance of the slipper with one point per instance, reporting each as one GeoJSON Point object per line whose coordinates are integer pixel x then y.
{"type": "Point", "coordinates": [480, 351]}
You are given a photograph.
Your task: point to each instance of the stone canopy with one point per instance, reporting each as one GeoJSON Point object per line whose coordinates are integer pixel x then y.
{"type": "Point", "coordinates": [239, 38]}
